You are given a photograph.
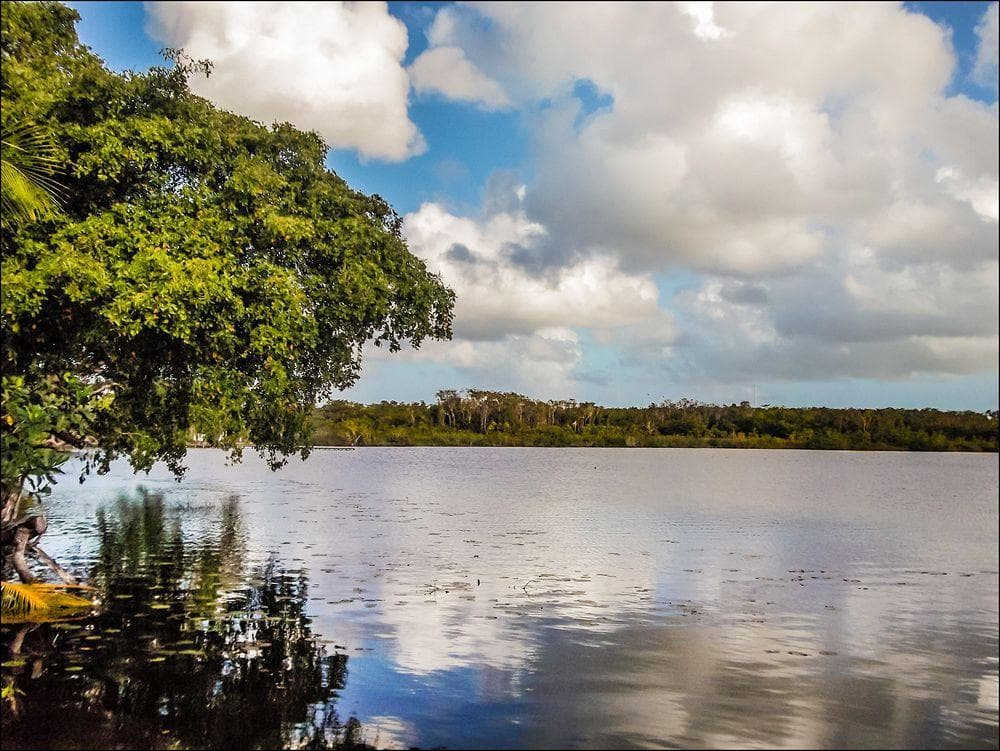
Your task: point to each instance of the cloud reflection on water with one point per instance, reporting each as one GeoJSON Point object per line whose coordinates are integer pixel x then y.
{"type": "Point", "coordinates": [693, 597]}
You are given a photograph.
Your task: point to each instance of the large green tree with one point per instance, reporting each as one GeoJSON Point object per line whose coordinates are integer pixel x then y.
{"type": "Point", "coordinates": [206, 273]}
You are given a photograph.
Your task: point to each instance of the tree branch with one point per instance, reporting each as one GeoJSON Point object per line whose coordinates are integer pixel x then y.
{"type": "Point", "coordinates": [45, 558]}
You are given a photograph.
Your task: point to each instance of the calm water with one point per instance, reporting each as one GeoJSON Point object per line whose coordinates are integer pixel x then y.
{"type": "Point", "coordinates": [525, 598]}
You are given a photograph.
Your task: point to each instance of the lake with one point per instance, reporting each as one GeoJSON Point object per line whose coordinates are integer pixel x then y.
{"type": "Point", "coordinates": [524, 598]}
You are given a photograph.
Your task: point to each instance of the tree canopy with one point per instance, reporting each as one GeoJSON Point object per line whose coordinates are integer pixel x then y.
{"type": "Point", "coordinates": [205, 273]}
{"type": "Point", "coordinates": [489, 418]}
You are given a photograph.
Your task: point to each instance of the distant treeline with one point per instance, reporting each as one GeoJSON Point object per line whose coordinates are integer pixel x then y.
{"type": "Point", "coordinates": [488, 418]}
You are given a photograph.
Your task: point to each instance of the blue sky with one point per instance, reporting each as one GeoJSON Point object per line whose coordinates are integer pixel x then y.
{"type": "Point", "coordinates": [798, 204]}
{"type": "Point", "coordinates": [465, 143]}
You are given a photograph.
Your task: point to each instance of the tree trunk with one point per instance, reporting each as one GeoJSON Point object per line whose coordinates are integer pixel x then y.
{"type": "Point", "coordinates": [10, 498]}
{"type": "Point", "coordinates": [19, 545]}
{"type": "Point", "coordinates": [19, 538]}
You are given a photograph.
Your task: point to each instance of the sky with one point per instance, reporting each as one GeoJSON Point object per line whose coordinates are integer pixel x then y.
{"type": "Point", "coordinates": [784, 203]}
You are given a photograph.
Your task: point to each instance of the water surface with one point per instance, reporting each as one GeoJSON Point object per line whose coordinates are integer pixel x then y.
{"type": "Point", "coordinates": [525, 598]}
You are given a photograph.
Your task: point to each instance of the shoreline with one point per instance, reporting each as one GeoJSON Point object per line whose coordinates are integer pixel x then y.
{"type": "Point", "coordinates": [879, 450]}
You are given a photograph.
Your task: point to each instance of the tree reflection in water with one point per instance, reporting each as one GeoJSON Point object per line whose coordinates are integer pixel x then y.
{"type": "Point", "coordinates": [192, 647]}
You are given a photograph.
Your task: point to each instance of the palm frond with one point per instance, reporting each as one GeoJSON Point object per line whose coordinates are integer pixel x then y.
{"type": "Point", "coordinates": [27, 601]}
{"type": "Point", "coordinates": [28, 159]}
{"type": "Point", "coordinates": [23, 199]}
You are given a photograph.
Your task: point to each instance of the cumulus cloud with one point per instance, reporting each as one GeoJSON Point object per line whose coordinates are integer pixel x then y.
{"type": "Point", "coordinates": [542, 364]}
{"type": "Point", "coordinates": [703, 16]}
{"type": "Point", "coordinates": [988, 32]}
{"type": "Point", "coordinates": [335, 68]}
{"type": "Point", "coordinates": [445, 70]}
{"type": "Point", "coordinates": [852, 316]}
{"type": "Point", "coordinates": [516, 328]}
{"type": "Point", "coordinates": [481, 259]}
{"type": "Point", "coordinates": [805, 159]}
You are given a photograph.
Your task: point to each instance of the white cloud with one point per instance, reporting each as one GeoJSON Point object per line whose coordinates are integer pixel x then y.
{"type": "Point", "coordinates": [335, 68]}
{"type": "Point", "coordinates": [917, 230]}
{"type": "Point", "coordinates": [445, 70]}
{"type": "Point", "coordinates": [738, 155]}
{"type": "Point", "coordinates": [852, 316]}
{"type": "Point", "coordinates": [516, 328]}
{"type": "Point", "coordinates": [541, 364]}
{"type": "Point", "coordinates": [703, 16]}
{"type": "Point", "coordinates": [988, 32]}
{"type": "Point", "coordinates": [981, 194]}
{"type": "Point", "coordinates": [805, 158]}
{"type": "Point", "coordinates": [497, 294]}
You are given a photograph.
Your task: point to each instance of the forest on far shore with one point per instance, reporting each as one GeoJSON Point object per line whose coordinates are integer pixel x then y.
{"type": "Point", "coordinates": [488, 418]}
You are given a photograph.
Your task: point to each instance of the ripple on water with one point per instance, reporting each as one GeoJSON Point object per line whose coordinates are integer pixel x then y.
{"type": "Point", "coordinates": [695, 598]}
